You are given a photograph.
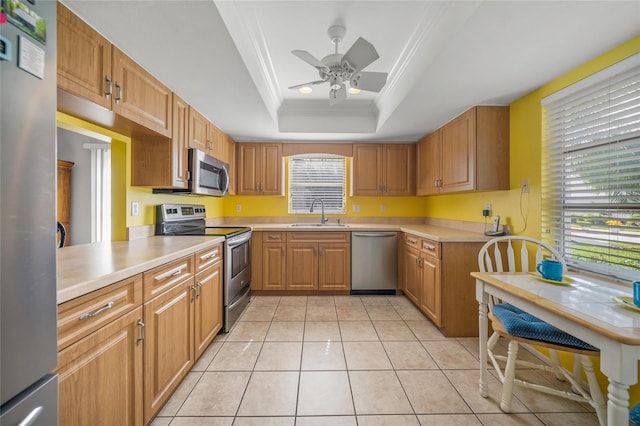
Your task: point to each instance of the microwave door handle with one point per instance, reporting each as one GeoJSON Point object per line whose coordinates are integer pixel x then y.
{"type": "Point", "coordinates": [226, 180]}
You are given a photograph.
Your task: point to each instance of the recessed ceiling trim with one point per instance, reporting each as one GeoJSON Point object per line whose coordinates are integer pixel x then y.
{"type": "Point", "coordinates": [247, 34]}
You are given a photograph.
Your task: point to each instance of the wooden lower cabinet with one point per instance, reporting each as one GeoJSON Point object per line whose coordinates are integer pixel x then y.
{"type": "Point", "coordinates": [334, 267]}
{"type": "Point", "coordinates": [430, 294]}
{"type": "Point", "coordinates": [208, 306]}
{"type": "Point", "coordinates": [274, 272]}
{"type": "Point", "coordinates": [436, 278]}
{"type": "Point", "coordinates": [412, 276]}
{"type": "Point", "coordinates": [168, 346]}
{"type": "Point", "coordinates": [101, 377]}
{"type": "Point", "coordinates": [302, 266]}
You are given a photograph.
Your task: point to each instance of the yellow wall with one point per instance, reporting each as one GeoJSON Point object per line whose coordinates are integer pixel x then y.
{"type": "Point", "coordinates": [277, 206]}
{"type": "Point", "coordinates": [122, 193]}
{"type": "Point", "coordinates": [525, 153]}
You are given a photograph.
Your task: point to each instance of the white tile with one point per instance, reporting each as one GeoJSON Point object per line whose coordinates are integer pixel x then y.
{"type": "Point", "coordinates": [324, 393]}
{"type": "Point", "coordinates": [270, 393]}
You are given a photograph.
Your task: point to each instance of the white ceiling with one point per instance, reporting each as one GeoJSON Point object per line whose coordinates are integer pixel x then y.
{"type": "Point", "coordinates": [232, 60]}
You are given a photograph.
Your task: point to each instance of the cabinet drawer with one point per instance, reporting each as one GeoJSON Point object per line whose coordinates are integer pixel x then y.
{"type": "Point", "coordinates": [412, 241]}
{"type": "Point", "coordinates": [318, 237]}
{"type": "Point", "coordinates": [207, 257]}
{"type": "Point", "coordinates": [162, 278]}
{"type": "Point", "coordinates": [430, 248]}
{"type": "Point", "coordinates": [79, 317]}
{"type": "Point", "coordinates": [274, 237]}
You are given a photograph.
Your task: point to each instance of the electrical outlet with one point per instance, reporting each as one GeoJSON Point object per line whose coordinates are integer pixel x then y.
{"type": "Point", "coordinates": [238, 207]}
{"type": "Point", "coordinates": [135, 208]}
{"type": "Point", "coordinates": [356, 208]}
{"type": "Point", "coordinates": [525, 185]}
{"type": "Point", "coordinates": [486, 212]}
{"type": "Point", "coordinates": [383, 208]}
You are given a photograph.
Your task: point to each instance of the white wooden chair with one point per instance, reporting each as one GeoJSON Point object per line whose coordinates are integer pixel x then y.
{"type": "Point", "coordinates": [492, 258]}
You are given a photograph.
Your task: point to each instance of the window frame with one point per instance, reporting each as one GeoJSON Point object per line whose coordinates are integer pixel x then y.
{"type": "Point", "coordinates": [330, 202]}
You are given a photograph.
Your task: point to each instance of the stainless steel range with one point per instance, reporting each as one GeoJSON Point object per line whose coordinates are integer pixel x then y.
{"type": "Point", "coordinates": [190, 219]}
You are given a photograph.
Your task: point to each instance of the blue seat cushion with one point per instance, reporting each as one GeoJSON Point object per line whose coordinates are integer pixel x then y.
{"type": "Point", "coordinates": [521, 324]}
{"type": "Point", "coordinates": [634, 415]}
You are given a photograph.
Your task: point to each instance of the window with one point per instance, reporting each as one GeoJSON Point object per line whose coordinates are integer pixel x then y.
{"type": "Point", "coordinates": [591, 171]}
{"type": "Point", "coordinates": [317, 176]}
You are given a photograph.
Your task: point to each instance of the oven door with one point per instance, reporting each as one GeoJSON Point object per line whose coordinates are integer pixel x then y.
{"type": "Point", "coordinates": [238, 266]}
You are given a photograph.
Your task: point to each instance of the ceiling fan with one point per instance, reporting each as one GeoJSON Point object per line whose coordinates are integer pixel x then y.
{"type": "Point", "coordinates": [338, 69]}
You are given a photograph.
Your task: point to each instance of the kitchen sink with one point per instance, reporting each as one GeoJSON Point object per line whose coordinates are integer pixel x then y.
{"type": "Point", "coordinates": [318, 225]}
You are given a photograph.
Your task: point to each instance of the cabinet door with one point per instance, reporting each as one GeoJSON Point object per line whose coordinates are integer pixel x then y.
{"type": "Point", "coordinates": [180, 143]}
{"type": "Point", "coordinates": [208, 312]}
{"type": "Point", "coordinates": [302, 266]}
{"type": "Point", "coordinates": [274, 273]}
{"type": "Point", "coordinates": [198, 131]}
{"type": "Point", "coordinates": [430, 298]}
{"type": "Point", "coordinates": [398, 177]}
{"type": "Point", "coordinates": [334, 267]}
{"type": "Point", "coordinates": [459, 153]}
{"type": "Point", "coordinates": [139, 96]}
{"type": "Point", "coordinates": [271, 169]}
{"type": "Point", "coordinates": [84, 59]}
{"type": "Point", "coordinates": [366, 169]}
{"type": "Point", "coordinates": [412, 274]}
{"type": "Point", "coordinates": [168, 347]}
{"type": "Point", "coordinates": [231, 156]}
{"type": "Point", "coordinates": [218, 147]}
{"type": "Point", "coordinates": [249, 163]}
{"type": "Point", "coordinates": [100, 376]}
{"type": "Point", "coordinates": [429, 162]}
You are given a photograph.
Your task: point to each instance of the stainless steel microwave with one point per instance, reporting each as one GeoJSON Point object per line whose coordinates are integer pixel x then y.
{"type": "Point", "coordinates": [207, 176]}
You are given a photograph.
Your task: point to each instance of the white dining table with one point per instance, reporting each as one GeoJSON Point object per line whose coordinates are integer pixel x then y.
{"type": "Point", "coordinates": [584, 308]}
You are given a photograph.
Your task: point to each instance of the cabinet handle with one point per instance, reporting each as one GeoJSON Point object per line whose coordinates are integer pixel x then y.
{"type": "Point", "coordinates": [98, 312]}
{"type": "Point", "coordinates": [31, 417]}
{"type": "Point", "coordinates": [198, 289]}
{"type": "Point", "coordinates": [209, 255]}
{"type": "Point", "coordinates": [109, 86]}
{"type": "Point", "coordinates": [273, 237]}
{"type": "Point", "coordinates": [118, 97]}
{"type": "Point", "coordinates": [384, 188]}
{"type": "Point", "coordinates": [438, 183]}
{"type": "Point", "coordinates": [141, 338]}
{"type": "Point", "coordinates": [428, 246]}
{"type": "Point", "coordinates": [171, 273]}
{"type": "Point", "coordinates": [412, 241]}
{"type": "Point", "coordinates": [193, 293]}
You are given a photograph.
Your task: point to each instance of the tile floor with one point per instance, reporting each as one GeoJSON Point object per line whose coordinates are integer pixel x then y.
{"type": "Point", "coordinates": [347, 360]}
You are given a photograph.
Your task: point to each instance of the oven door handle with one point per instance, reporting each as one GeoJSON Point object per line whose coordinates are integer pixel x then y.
{"type": "Point", "coordinates": [239, 240]}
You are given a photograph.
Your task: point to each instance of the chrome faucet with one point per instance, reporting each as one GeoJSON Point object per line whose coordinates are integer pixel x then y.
{"type": "Point", "coordinates": [323, 219]}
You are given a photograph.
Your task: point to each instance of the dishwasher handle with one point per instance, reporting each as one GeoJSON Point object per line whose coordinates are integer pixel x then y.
{"type": "Point", "coordinates": [374, 234]}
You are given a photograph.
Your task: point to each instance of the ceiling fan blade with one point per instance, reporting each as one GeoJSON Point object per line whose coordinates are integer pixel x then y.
{"type": "Point", "coordinates": [337, 95]}
{"type": "Point", "coordinates": [369, 81]}
{"type": "Point", "coordinates": [309, 58]}
{"type": "Point", "coordinates": [311, 83]}
{"type": "Point", "coordinates": [361, 54]}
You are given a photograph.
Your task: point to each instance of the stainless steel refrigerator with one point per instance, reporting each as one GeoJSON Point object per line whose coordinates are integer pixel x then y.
{"type": "Point", "coordinates": [28, 308]}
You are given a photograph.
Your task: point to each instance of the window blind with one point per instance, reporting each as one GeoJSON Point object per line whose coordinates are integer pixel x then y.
{"type": "Point", "coordinates": [312, 177]}
{"type": "Point", "coordinates": [591, 172]}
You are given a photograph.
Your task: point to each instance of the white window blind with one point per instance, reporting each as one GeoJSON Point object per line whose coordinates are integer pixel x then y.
{"type": "Point", "coordinates": [311, 177]}
{"type": "Point", "coordinates": [591, 172]}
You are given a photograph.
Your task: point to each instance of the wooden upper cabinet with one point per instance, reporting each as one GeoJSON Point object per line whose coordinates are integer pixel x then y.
{"type": "Point", "coordinates": [162, 163]}
{"type": "Point", "coordinates": [139, 96]}
{"type": "Point", "coordinates": [475, 150]}
{"type": "Point", "coordinates": [383, 169]}
{"type": "Point", "coordinates": [93, 69]}
{"type": "Point", "coordinates": [259, 169]}
{"type": "Point", "coordinates": [428, 164]}
{"type": "Point", "coordinates": [470, 153]}
{"type": "Point", "coordinates": [84, 59]}
{"type": "Point", "coordinates": [219, 143]}
{"type": "Point", "coordinates": [198, 131]}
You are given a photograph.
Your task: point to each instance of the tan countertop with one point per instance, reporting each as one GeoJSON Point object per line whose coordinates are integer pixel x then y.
{"type": "Point", "coordinates": [85, 268]}
{"type": "Point", "coordinates": [432, 232]}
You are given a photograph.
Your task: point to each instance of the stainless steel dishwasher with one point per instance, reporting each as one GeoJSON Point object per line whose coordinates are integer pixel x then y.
{"type": "Point", "coordinates": [374, 262]}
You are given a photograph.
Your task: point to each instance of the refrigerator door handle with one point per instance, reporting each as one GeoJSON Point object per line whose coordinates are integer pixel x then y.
{"type": "Point", "coordinates": [32, 417]}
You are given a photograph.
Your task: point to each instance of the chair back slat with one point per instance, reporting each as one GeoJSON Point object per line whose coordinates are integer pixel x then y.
{"type": "Point", "coordinates": [497, 255]}
{"type": "Point", "coordinates": [524, 257]}
{"type": "Point", "coordinates": [539, 255]}
{"type": "Point", "coordinates": [511, 258]}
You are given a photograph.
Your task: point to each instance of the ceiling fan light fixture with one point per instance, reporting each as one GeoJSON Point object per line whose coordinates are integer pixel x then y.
{"type": "Point", "coordinates": [354, 90]}
{"type": "Point", "coordinates": [305, 90]}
